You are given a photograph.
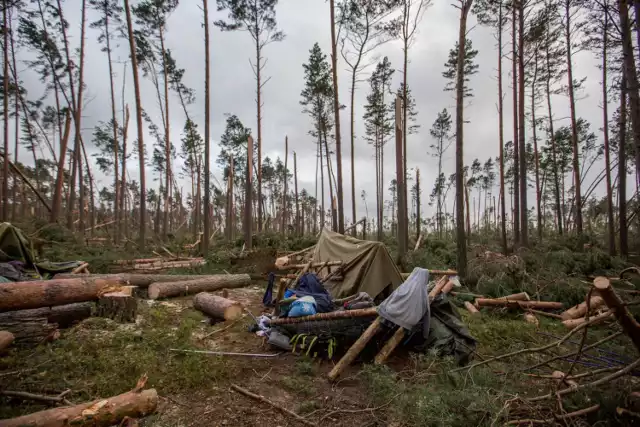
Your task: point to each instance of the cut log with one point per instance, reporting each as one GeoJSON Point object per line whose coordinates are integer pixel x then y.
{"type": "Point", "coordinates": [45, 293]}
{"type": "Point", "coordinates": [540, 305]}
{"type": "Point", "coordinates": [471, 308]}
{"type": "Point", "coordinates": [33, 330]}
{"type": "Point", "coordinates": [190, 287]}
{"type": "Point", "coordinates": [120, 306]}
{"type": "Point", "coordinates": [447, 288]}
{"type": "Point", "coordinates": [580, 310]}
{"type": "Point", "coordinates": [217, 307]}
{"type": "Point", "coordinates": [438, 287]}
{"type": "Point", "coordinates": [6, 339]}
{"type": "Point", "coordinates": [99, 413]}
{"type": "Point", "coordinates": [389, 346]}
{"type": "Point", "coordinates": [574, 323]}
{"type": "Point", "coordinates": [628, 323]}
{"type": "Point", "coordinates": [531, 318]}
{"type": "Point", "coordinates": [355, 349]}
{"type": "Point", "coordinates": [522, 296]}
{"type": "Point", "coordinates": [139, 280]}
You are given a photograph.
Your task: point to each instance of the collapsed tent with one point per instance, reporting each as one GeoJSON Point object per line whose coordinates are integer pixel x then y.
{"type": "Point", "coordinates": [367, 267]}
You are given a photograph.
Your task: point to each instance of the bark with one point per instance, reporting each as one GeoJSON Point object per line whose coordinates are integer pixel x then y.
{"type": "Point", "coordinates": [336, 110]}
{"type": "Point", "coordinates": [16, 130]}
{"type": "Point", "coordinates": [503, 214]}
{"type": "Point", "coordinates": [217, 307]}
{"type": "Point", "coordinates": [579, 310]}
{"type": "Point", "coordinates": [516, 144]}
{"type": "Point", "coordinates": [45, 293]}
{"type": "Point", "coordinates": [405, 199]}
{"type": "Point", "coordinates": [196, 284]}
{"type": "Point", "coordinates": [418, 213]}
{"type": "Point", "coordinates": [622, 170]}
{"type": "Point", "coordinates": [487, 302]}
{"type": "Point", "coordinates": [631, 76]}
{"type": "Point", "coordinates": [355, 349]}
{"type": "Point", "coordinates": [534, 130]}
{"type": "Point", "coordinates": [259, 119]}
{"type": "Point", "coordinates": [139, 280]}
{"type": "Point", "coordinates": [99, 413]}
{"type": "Point", "coordinates": [5, 168]}
{"type": "Point", "coordinates": [284, 185]}
{"type": "Point", "coordinates": [167, 142]}
{"type": "Point", "coordinates": [207, 133]}
{"type": "Point", "coordinates": [6, 337]}
{"type": "Point", "coordinates": [248, 206]}
{"type": "Point", "coordinates": [460, 234]}
{"type": "Point", "coordinates": [389, 346]}
{"type": "Point", "coordinates": [136, 85]}
{"type": "Point", "coordinates": [471, 308]}
{"type": "Point", "coordinates": [80, 143]}
{"type": "Point", "coordinates": [524, 221]}
{"type": "Point", "coordinates": [605, 130]}
{"type": "Point", "coordinates": [624, 317]}
{"type": "Point", "coordinates": [353, 137]}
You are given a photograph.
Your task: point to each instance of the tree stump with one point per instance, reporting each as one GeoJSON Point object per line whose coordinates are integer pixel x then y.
{"type": "Point", "coordinates": [120, 306]}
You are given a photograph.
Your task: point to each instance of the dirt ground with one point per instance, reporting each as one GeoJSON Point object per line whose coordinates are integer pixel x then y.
{"type": "Point", "coordinates": [341, 404]}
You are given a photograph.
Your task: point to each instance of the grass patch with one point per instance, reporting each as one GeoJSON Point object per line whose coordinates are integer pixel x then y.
{"type": "Point", "coordinates": [99, 358]}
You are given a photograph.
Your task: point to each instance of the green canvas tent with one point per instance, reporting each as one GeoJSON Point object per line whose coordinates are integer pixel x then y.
{"type": "Point", "coordinates": [368, 267]}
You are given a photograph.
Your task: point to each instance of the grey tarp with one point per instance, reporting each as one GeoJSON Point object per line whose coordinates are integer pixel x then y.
{"type": "Point", "coordinates": [408, 305]}
{"type": "Point", "coordinates": [368, 265]}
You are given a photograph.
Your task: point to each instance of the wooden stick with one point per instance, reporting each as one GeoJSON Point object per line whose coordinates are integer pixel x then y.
{"type": "Point", "coordinates": [574, 414]}
{"type": "Point", "coordinates": [522, 296]}
{"type": "Point", "coordinates": [313, 265]}
{"type": "Point", "coordinates": [628, 323]}
{"type": "Point", "coordinates": [544, 313]}
{"type": "Point", "coordinates": [438, 287]}
{"type": "Point", "coordinates": [345, 314]}
{"type": "Point", "coordinates": [100, 225]}
{"type": "Point", "coordinates": [80, 268]}
{"type": "Point", "coordinates": [389, 346]}
{"type": "Point", "coordinates": [434, 273]}
{"type": "Point", "coordinates": [30, 396]}
{"type": "Point", "coordinates": [418, 242]}
{"type": "Point", "coordinates": [268, 402]}
{"type": "Point", "coordinates": [489, 302]}
{"type": "Point", "coordinates": [471, 308]}
{"type": "Point", "coordinates": [574, 323]}
{"type": "Point", "coordinates": [355, 349]}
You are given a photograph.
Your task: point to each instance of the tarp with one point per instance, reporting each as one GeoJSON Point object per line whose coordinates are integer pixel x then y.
{"type": "Point", "coordinates": [409, 304]}
{"type": "Point", "coordinates": [368, 266]}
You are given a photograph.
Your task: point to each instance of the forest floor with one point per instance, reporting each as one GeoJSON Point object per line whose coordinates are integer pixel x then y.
{"type": "Point", "coordinates": [100, 358]}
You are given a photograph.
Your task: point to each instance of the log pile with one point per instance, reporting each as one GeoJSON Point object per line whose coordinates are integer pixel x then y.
{"type": "Point", "coordinates": [33, 326]}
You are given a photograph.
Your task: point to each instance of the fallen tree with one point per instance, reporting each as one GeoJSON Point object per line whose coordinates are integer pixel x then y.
{"type": "Point", "coordinates": [45, 293]}
{"type": "Point", "coordinates": [136, 279]}
{"type": "Point", "coordinates": [37, 324]}
{"type": "Point", "coordinates": [541, 305]}
{"type": "Point", "coordinates": [189, 287]}
{"type": "Point", "coordinates": [217, 307]}
{"type": "Point", "coordinates": [99, 413]}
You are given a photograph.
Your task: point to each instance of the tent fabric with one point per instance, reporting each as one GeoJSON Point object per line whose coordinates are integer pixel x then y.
{"type": "Point", "coordinates": [408, 305]}
{"type": "Point", "coordinates": [368, 267]}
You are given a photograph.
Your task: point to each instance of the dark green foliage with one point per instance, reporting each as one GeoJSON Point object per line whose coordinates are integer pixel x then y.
{"type": "Point", "coordinates": [470, 68]}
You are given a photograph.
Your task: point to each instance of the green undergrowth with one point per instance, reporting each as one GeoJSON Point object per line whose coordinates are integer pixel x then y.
{"type": "Point", "coordinates": [99, 358]}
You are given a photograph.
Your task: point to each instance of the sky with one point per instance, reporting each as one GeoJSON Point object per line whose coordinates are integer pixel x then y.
{"type": "Point", "coordinates": [306, 22]}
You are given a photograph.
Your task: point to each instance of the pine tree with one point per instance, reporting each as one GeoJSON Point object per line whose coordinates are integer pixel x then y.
{"type": "Point", "coordinates": [441, 132]}
{"type": "Point", "coordinates": [258, 18]}
{"type": "Point", "coordinates": [470, 68]}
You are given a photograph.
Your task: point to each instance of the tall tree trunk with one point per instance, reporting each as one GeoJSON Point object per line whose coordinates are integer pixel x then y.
{"type": "Point", "coordinates": [136, 85]}
{"type": "Point", "coordinates": [378, 198]}
{"type": "Point", "coordinates": [207, 150]}
{"type": "Point", "coordinates": [605, 129]}
{"type": "Point", "coordinates": [324, 212]}
{"type": "Point", "coordinates": [633, 87]}
{"type": "Point", "coordinates": [534, 130]}
{"type": "Point", "coordinates": [574, 122]}
{"type": "Point", "coordinates": [418, 216]}
{"type": "Point", "coordinates": [284, 186]}
{"type": "Point", "coordinates": [79, 118]}
{"type": "Point", "coordinates": [123, 179]}
{"type": "Point", "coordinates": [334, 225]}
{"type": "Point", "coordinates": [167, 142]}
{"type": "Point", "coordinates": [503, 215]}
{"type": "Point", "coordinates": [402, 215]}
{"type": "Point", "coordinates": [405, 106]}
{"type": "Point", "coordinates": [353, 138]}
{"type": "Point", "coordinates": [622, 168]}
{"type": "Point", "coordinates": [460, 234]}
{"type": "Point", "coordinates": [116, 211]}
{"type": "Point", "coordinates": [552, 136]}
{"type": "Point", "coordinates": [259, 119]}
{"type": "Point", "coordinates": [295, 181]}
{"type": "Point", "coordinates": [516, 144]}
{"type": "Point", "coordinates": [524, 211]}
{"type": "Point", "coordinates": [248, 207]}
{"type": "Point", "coordinates": [5, 166]}
{"type": "Point", "coordinates": [336, 108]}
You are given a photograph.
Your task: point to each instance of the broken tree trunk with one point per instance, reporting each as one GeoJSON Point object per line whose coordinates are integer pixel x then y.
{"type": "Point", "coordinates": [540, 305]}
{"type": "Point", "coordinates": [574, 323]}
{"type": "Point", "coordinates": [217, 307]}
{"type": "Point", "coordinates": [595, 302]}
{"type": "Point", "coordinates": [522, 296]}
{"type": "Point", "coordinates": [120, 306]}
{"type": "Point", "coordinates": [355, 349]}
{"type": "Point", "coordinates": [6, 339]}
{"type": "Point", "coordinates": [137, 279]}
{"type": "Point", "coordinates": [45, 293]}
{"type": "Point", "coordinates": [190, 287]}
{"type": "Point", "coordinates": [628, 323]}
{"type": "Point", "coordinates": [99, 413]}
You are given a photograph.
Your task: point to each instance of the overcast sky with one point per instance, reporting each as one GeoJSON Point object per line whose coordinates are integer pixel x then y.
{"type": "Point", "coordinates": [304, 23]}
